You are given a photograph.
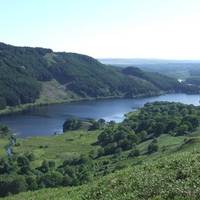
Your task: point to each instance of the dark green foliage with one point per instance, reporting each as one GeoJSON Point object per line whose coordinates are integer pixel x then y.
{"type": "Point", "coordinates": [52, 179]}
{"type": "Point", "coordinates": [18, 185]}
{"type": "Point", "coordinates": [192, 119]}
{"type": "Point", "coordinates": [31, 157]}
{"type": "Point", "coordinates": [194, 80]}
{"type": "Point", "coordinates": [102, 122]}
{"type": "Point", "coordinates": [71, 124]}
{"type": "Point", "coordinates": [23, 161]}
{"type": "Point", "coordinates": [153, 147]}
{"type": "Point", "coordinates": [24, 68]}
{"type": "Point", "coordinates": [5, 165]}
{"type": "Point", "coordinates": [133, 71]}
{"type": "Point", "coordinates": [154, 119]}
{"type": "Point", "coordinates": [4, 130]}
{"type": "Point", "coordinates": [47, 166]}
{"type": "Point", "coordinates": [101, 152]}
{"type": "Point", "coordinates": [134, 153]}
{"type": "Point", "coordinates": [86, 177]}
{"type": "Point", "coordinates": [159, 128]}
{"type": "Point", "coordinates": [32, 183]}
{"type": "Point", "coordinates": [21, 69]}
{"type": "Point", "coordinates": [95, 126]}
{"type": "Point", "coordinates": [159, 81]}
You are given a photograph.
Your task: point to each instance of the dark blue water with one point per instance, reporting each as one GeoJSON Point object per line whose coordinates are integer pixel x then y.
{"type": "Point", "coordinates": [48, 120]}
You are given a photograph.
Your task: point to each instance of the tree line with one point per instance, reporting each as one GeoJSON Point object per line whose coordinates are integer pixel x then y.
{"type": "Point", "coordinates": [153, 120]}
{"type": "Point", "coordinates": [23, 69]}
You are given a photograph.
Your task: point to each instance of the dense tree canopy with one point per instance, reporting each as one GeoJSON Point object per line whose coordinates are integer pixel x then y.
{"type": "Point", "coordinates": [24, 68]}
{"type": "Point", "coordinates": [153, 120]}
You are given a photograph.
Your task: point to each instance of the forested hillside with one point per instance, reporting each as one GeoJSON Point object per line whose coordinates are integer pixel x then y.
{"type": "Point", "coordinates": [24, 70]}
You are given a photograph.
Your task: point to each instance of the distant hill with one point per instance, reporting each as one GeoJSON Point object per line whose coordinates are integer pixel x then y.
{"type": "Point", "coordinates": [142, 61]}
{"type": "Point", "coordinates": [30, 75]}
{"type": "Point", "coordinates": [174, 68]}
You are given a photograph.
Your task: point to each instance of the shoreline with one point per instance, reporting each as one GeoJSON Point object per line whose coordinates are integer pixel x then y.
{"type": "Point", "coordinates": [24, 107]}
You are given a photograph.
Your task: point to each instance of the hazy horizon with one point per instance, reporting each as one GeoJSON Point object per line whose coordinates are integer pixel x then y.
{"type": "Point", "coordinates": [105, 29]}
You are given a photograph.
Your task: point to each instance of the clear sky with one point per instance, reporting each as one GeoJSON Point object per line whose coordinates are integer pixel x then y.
{"type": "Point", "coordinates": [167, 29]}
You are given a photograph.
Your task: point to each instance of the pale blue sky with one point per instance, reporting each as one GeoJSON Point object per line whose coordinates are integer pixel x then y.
{"type": "Point", "coordinates": [105, 28]}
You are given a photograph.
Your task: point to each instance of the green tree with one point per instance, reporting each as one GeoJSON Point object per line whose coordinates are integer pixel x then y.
{"type": "Point", "coordinates": [112, 122]}
{"type": "Point", "coordinates": [125, 144]}
{"type": "Point", "coordinates": [184, 112]}
{"type": "Point", "coordinates": [66, 180]}
{"type": "Point", "coordinates": [52, 179]}
{"type": "Point", "coordinates": [45, 167]}
{"type": "Point", "coordinates": [118, 151]}
{"type": "Point", "coordinates": [142, 135]}
{"type": "Point", "coordinates": [71, 124]}
{"type": "Point", "coordinates": [4, 130]}
{"type": "Point", "coordinates": [193, 119]}
{"type": "Point", "coordinates": [86, 177]}
{"type": "Point", "coordinates": [95, 126]}
{"type": "Point", "coordinates": [159, 128]}
{"type": "Point", "coordinates": [22, 161]}
{"type": "Point", "coordinates": [102, 122]}
{"type": "Point", "coordinates": [101, 152]}
{"type": "Point", "coordinates": [135, 152]}
{"type": "Point", "coordinates": [92, 154]}
{"type": "Point", "coordinates": [69, 170]}
{"type": "Point", "coordinates": [133, 138]}
{"type": "Point", "coordinates": [75, 182]}
{"type": "Point", "coordinates": [144, 125]}
{"type": "Point", "coordinates": [4, 166]}
{"type": "Point", "coordinates": [51, 165]}
{"type": "Point", "coordinates": [5, 187]}
{"type": "Point", "coordinates": [153, 147]}
{"type": "Point", "coordinates": [103, 137]}
{"type": "Point", "coordinates": [31, 157]}
{"type": "Point", "coordinates": [18, 185]}
{"type": "Point", "coordinates": [31, 183]}
{"type": "Point", "coordinates": [110, 148]}
{"type": "Point", "coordinates": [182, 130]}
{"type": "Point", "coordinates": [172, 125]}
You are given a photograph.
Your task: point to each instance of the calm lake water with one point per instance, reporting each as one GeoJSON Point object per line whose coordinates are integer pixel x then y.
{"type": "Point", "coordinates": [48, 120]}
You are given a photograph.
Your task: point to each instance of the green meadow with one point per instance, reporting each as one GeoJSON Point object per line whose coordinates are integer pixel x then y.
{"type": "Point", "coordinates": [57, 147]}
{"type": "Point", "coordinates": [4, 143]}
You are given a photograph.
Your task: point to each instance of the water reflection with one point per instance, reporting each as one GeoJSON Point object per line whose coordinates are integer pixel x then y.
{"type": "Point", "coordinates": [48, 120]}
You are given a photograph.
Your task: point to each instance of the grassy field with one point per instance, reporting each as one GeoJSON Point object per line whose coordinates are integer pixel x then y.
{"type": "Point", "coordinates": [57, 147]}
{"type": "Point", "coordinates": [4, 142]}
{"type": "Point", "coordinates": [75, 143]}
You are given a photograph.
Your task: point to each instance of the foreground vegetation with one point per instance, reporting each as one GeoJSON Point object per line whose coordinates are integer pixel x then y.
{"type": "Point", "coordinates": [31, 76]}
{"type": "Point", "coordinates": [153, 153]}
{"type": "Point", "coordinates": [172, 177]}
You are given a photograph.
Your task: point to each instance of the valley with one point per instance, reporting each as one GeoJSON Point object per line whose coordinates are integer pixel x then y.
{"type": "Point", "coordinates": [124, 129]}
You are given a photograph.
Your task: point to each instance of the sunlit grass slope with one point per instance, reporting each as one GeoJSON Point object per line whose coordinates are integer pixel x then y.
{"type": "Point", "coordinates": [4, 143]}
{"type": "Point", "coordinates": [176, 176]}
{"type": "Point", "coordinates": [57, 147]}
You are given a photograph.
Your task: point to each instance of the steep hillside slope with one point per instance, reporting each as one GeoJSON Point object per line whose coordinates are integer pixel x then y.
{"type": "Point", "coordinates": [24, 70]}
{"type": "Point", "coordinates": [171, 177]}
